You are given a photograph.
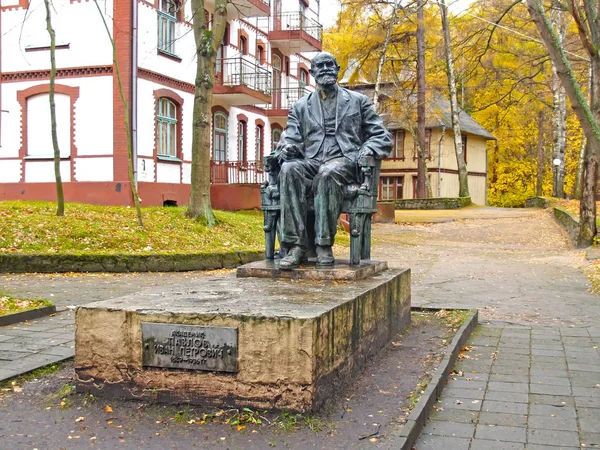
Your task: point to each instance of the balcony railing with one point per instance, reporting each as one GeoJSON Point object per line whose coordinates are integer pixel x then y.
{"type": "Point", "coordinates": [240, 72]}
{"type": "Point", "coordinates": [284, 98]}
{"type": "Point", "coordinates": [234, 172]}
{"type": "Point", "coordinates": [298, 21]}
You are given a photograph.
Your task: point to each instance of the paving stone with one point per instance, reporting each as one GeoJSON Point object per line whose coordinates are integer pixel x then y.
{"type": "Point", "coordinates": [7, 331]}
{"type": "Point", "coordinates": [516, 397]}
{"type": "Point", "coordinates": [455, 415]}
{"type": "Point", "coordinates": [585, 367]}
{"type": "Point", "coordinates": [442, 443]}
{"type": "Point", "coordinates": [580, 342]}
{"type": "Point", "coordinates": [5, 373]}
{"type": "Point", "coordinates": [508, 387]}
{"type": "Point", "coordinates": [591, 425]}
{"type": "Point", "coordinates": [456, 403]}
{"type": "Point", "coordinates": [553, 381]}
{"type": "Point", "coordinates": [66, 352]}
{"type": "Point", "coordinates": [552, 360]}
{"type": "Point", "coordinates": [508, 370]}
{"type": "Point", "coordinates": [6, 338]}
{"type": "Point", "coordinates": [509, 378]}
{"type": "Point", "coordinates": [523, 351]}
{"type": "Point", "coordinates": [500, 433]}
{"type": "Point", "coordinates": [521, 364]}
{"type": "Point", "coordinates": [550, 389]}
{"type": "Point", "coordinates": [575, 331]}
{"type": "Point", "coordinates": [482, 444]}
{"type": "Point", "coordinates": [549, 410]}
{"type": "Point", "coordinates": [553, 353]}
{"type": "Point", "coordinates": [548, 366]}
{"type": "Point", "coordinates": [476, 394]}
{"type": "Point", "coordinates": [504, 407]}
{"type": "Point", "coordinates": [590, 439]}
{"type": "Point", "coordinates": [553, 423]}
{"type": "Point", "coordinates": [584, 379]}
{"type": "Point", "coordinates": [465, 430]}
{"type": "Point", "coordinates": [560, 400]}
{"type": "Point", "coordinates": [504, 419]}
{"type": "Point", "coordinates": [11, 355]}
{"type": "Point", "coordinates": [538, 346]}
{"type": "Point", "coordinates": [545, 447]}
{"type": "Point", "coordinates": [589, 413]}
{"type": "Point", "coordinates": [587, 402]}
{"type": "Point", "coordinates": [552, 437]}
{"type": "Point", "coordinates": [461, 383]}
{"type": "Point", "coordinates": [513, 343]}
{"type": "Point", "coordinates": [579, 391]}
{"type": "Point", "coordinates": [562, 373]}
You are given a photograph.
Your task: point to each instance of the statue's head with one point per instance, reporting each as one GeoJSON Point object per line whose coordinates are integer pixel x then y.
{"type": "Point", "coordinates": [324, 68]}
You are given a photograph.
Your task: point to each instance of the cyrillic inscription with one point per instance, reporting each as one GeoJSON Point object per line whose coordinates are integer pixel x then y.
{"type": "Point", "coordinates": [177, 346]}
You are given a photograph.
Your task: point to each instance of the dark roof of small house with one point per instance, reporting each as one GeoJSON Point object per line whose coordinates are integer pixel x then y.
{"type": "Point", "coordinates": [438, 112]}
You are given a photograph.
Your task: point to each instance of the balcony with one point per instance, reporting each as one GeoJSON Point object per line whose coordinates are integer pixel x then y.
{"type": "Point", "coordinates": [241, 82]}
{"type": "Point", "coordinates": [294, 33]}
{"type": "Point", "coordinates": [243, 8]}
{"type": "Point", "coordinates": [283, 99]}
{"type": "Point", "coordinates": [237, 172]}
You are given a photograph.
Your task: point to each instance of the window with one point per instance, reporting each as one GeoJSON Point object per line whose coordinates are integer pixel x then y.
{"type": "Point", "coordinates": [276, 137]}
{"type": "Point", "coordinates": [167, 20]}
{"type": "Point", "coordinates": [39, 137]}
{"type": "Point", "coordinates": [303, 77]}
{"type": "Point", "coordinates": [220, 137]}
{"type": "Point", "coordinates": [399, 144]}
{"type": "Point", "coordinates": [260, 54]}
{"type": "Point", "coordinates": [242, 154]}
{"type": "Point", "coordinates": [167, 127]}
{"type": "Point", "coordinates": [260, 147]}
{"type": "Point", "coordinates": [391, 188]}
{"type": "Point", "coordinates": [464, 146]}
{"type": "Point", "coordinates": [243, 45]}
{"type": "Point", "coordinates": [427, 148]}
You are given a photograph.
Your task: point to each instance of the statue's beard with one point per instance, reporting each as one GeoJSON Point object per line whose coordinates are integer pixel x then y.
{"type": "Point", "coordinates": [327, 80]}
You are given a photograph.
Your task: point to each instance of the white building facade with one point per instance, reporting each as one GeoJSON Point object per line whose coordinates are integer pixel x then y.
{"type": "Point", "coordinates": [260, 73]}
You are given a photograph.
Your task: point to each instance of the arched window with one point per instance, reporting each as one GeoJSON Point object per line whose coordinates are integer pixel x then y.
{"type": "Point", "coordinates": [167, 127]}
{"type": "Point", "coordinates": [242, 132]}
{"type": "Point", "coordinates": [260, 54]}
{"type": "Point", "coordinates": [275, 136]}
{"type": "Point", "coordinates": [303, 77]}
{"type": "Point", "coordinates": [243, 45]}
{"type": "Point", "coordinates": [220, 136]}
{"type": "Point", "coordinates": [260, 145]}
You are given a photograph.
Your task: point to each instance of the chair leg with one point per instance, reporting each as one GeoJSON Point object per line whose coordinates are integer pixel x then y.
{"type": "Point", "coordinates": [271, 219]}
{"type": "Point", "coordinates": [356, 236]}
{"type": "Point", "coordinates": [365, 252]}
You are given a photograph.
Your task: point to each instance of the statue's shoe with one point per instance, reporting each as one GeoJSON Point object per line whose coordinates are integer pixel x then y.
{"type": "Point", "coordinates": [292, 259]}
{"type": "Point", "coordinates": [325, 256]}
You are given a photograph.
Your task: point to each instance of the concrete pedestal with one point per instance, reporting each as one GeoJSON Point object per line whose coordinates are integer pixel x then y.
{"type": "Point", "coordinates": [298, 342]}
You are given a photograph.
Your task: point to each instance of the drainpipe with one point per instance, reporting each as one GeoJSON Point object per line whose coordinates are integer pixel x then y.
{"type": "Point", "coordinates": [134, 88]}
{"type": "Point", "coordinates": [439, 186]}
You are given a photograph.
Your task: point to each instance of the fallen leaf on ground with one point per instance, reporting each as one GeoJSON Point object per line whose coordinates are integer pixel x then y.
{"type": "Point", "coordinates": [108, 409]}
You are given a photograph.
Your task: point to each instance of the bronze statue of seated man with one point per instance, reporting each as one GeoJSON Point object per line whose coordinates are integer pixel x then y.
{"type": "Point", "coordinates": [327, 132]}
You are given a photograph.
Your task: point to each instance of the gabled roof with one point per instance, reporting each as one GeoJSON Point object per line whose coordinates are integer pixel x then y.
{"type": "Point", "coordinates": [438, 113]}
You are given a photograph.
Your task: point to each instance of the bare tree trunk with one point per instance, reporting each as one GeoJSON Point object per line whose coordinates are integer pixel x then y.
{"type": "Point", "coordinates": [540, 155]}
{"type": "Point", "coordinates": [587, 118]}
{"type": "Point", "coordinates": [132, 180]}
{"type": "Point", "coordinates": [422, 181]}
{"type": "Point", "coordinates": [207, 44]}
{"type": "Point", "coordinates": [463, 180]}
{"type": "Point", "coordinates": [559, 115]}
{"type": "Point", "coordinates": [60, 196]}
{"type": "Point", "coordinates": [582, 149]}
{"type": "Point", "coordinates": [382, 56]}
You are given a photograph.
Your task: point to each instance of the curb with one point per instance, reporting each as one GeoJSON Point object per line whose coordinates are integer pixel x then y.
{"type": "Point", "coordinates": [406, 437]}
{"type": "Point", "coordinates": [30, 314]}
{"type": "Point", "coordinates": [125, 263]}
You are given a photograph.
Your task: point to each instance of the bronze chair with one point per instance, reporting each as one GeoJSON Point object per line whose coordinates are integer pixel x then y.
{"type": "Point", "coordinates": [360, 203]}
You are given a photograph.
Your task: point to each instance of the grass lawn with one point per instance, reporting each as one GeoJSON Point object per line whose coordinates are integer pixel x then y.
{"type": "Point", "coordinates": [10, 304]}
{"type": "Point", "coordinates": [28, 227]}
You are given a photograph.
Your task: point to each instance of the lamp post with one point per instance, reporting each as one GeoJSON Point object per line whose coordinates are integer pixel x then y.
{"type": "Point", "coordinates": [556, 164]}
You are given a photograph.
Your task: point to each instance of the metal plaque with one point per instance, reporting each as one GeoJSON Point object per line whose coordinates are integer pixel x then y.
{"type": "Point", "coordinates": [193, 347]}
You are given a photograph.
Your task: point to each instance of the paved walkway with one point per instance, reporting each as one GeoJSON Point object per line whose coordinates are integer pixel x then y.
{"type": "Point", "coordinates": [531, 375]}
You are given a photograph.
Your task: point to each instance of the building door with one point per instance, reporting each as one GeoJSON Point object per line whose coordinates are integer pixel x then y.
{"type": "Point", "coordinates": [276, 82]}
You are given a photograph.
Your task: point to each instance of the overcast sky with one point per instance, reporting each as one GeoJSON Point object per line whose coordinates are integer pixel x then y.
{"type": "Point", "coordinates": [330, 9]}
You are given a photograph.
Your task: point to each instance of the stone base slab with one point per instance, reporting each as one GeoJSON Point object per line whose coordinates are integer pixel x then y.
{"type": "Point", "coordinates": [341, 270]}
{"type": "Point", "coordinates": [299, 343]}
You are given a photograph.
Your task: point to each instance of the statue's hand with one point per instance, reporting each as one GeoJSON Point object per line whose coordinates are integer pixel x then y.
{"type": "Point", "coordinates": [289, 152]}
{"type": "Point", "coordinates": [365, 152]}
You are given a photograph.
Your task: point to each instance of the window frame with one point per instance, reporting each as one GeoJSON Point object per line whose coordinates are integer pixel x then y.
{"type": "Point", "coordinates": [259, 142]}
{"type": "Point", "coordinates": [242, 140]}
{"type": "Point", "coordinates": [397, 181]}
{"type": "Point", "coordinates": [166, 20]}
{"type": "Point", "coordinates": [397, 153]}
{"type": "Point", "coordinates": [171, 122]}
{"type": "Point", "coordinates": [275, 129]}
{"type": "Point", "coordinates": [225, 131]}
